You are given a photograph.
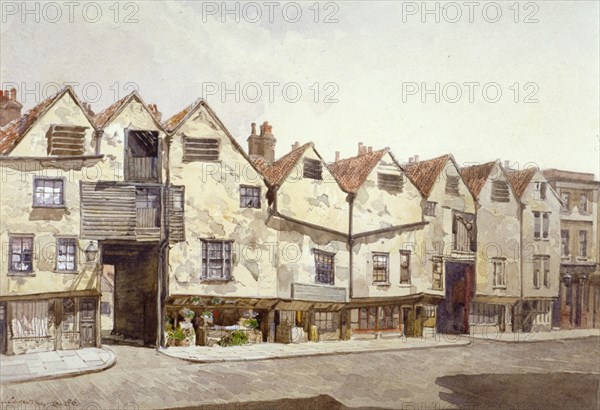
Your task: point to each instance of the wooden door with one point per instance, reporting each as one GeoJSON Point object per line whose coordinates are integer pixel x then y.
{"type": "Point", "coordinates": [408, 321]}
{"type": "Point", "coordinates": [87, 322]}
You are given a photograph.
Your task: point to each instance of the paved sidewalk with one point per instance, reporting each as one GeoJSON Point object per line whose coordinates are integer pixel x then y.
{"type": "Point", "coordinates": [263, 351]}
{"type": "Point", "coordinates": [539, 336]}
{"type": "Point", "coordinates": [55, 364]}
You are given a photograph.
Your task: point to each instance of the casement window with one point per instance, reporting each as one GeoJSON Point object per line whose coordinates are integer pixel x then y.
{"type": "Point", "coordinates": [324, 267]}
{"type": "Point", "coordinates": [200, 149]}
{"type": "Point", "coordinates": [177, 198]}
{"type": "Point", "coordinates": [66, 140]}
{"type": "Point", "coordinates": [539, 190]}
{"type": "Point", "coordinates": [541, 271]}
{"type": "Point", "coordinates": [404, 266]}
{"type": "Point", "coordinates": [105, 308]}
{"type": "Point", "coordinates": [379, 318]}
{"type": "Point", "coordinates": [480, 313]}
{"type": "Point", "coordinates": [326, 321]}
{"type": "Point", "coordinates": [500, 191]}
{"type": "Point", "coordinates": [565, 242]}
{"type": "Point", "coordinates": [463, 232]}
{"type": "Point", "coordinates": [583, 203]}
{"type": "Point", "coordinates": [541, 225]}
{"type": "Point", "coordinates": [249, 197]}
{"type": "Point", "coordinates": [583, 244]}
{"type": "Point", "coordinates": [48, 192]}
{"type": "Point", "coordinates": [20, 255]}
{"type": "Point", "coordinates": [381, 268]}
{"type": "Point", "coordinates": [452, 185]}
{"type": "Point", "coordinates": [437, 280]}
{"type": "Point", "coordinates": [430, 208]}
{"type": "Point", "coordinates": [566, 200]}
{"type": "Point", "coordinates": [313, 169]}
{"type": "Point", "coordinates": [499, 272]}
{"type": "Point", "coordinates": [216, 260]}
{"type": "Point", "coordinates": [29, 319]}
{"type": "Point", "coordinates": [392, 183]}
{"type": "Point", "coordinates": [147, 204]}
{"type": "Point", "coordinates": [66, 254]}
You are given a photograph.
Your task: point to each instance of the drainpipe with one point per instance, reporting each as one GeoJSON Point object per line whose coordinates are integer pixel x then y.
{"type": "Point", "coordinates": [350, 200]}
{"type": "Point", "coordinates": [163, 252]}
{"type": "Point", "coordinates": [521, 208]}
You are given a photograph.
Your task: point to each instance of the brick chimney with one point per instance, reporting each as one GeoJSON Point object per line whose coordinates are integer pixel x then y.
{"type": "Point", "coordinates": [154, 110]}
{"type": "Point", "coordinates": [10, 108]}
{"type": "Point", "coordinates": [362, 150]}
{"type": "Point", "coordinates": [254, 148]}
{"type": "Point", "coordinates": [295, 145]}
{"type": "Point", "coordinates": [267, 142]}
{"type": "Point", "coordinates": [88, 108]}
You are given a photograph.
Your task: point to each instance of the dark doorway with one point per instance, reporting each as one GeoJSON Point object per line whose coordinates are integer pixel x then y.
{"type": "Point", "coordinates": [135, 289]}
{"type": "Point", "coordinates": [87, 322]}
{"type": "Point", "coordinates": [453, 312]}
{"type": "Point", "coordinates": [3, 327]}
{"type": "Point", "coordinates": [408, 320]}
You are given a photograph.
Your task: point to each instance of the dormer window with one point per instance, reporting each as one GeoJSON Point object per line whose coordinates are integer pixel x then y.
{"type": "Point", "coordinates": [200, 149]}
{"type": "Point", "coordinates": [452, 185]}
{"type": "Point", "coordinates": [313, 169]}
{"type": "Point", "coordinates": [392, 183]}
{"type": "Point", "coordinates": [500, 191]}
{"type": "Point", "coordinates": [540, 190]}
{"type": "Point", "coordinates": [64, 140]}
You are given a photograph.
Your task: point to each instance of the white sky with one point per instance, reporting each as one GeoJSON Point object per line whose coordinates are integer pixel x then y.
{"type": "Point", "coordinates": [175, 49]}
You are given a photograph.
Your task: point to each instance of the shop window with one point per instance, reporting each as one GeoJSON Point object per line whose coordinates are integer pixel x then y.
{"type": "Point", "coordinates": [29, 319]}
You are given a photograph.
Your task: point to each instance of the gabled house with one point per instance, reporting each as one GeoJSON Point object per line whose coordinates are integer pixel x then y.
{"type": "Point", "coordinates": [497, 266]}
{"type": "Point", "coordinates": [49, 277]}
{"type": "Point", "coordinates": [540, 249]}
{"type": "Point", "coordinates": [223, 264]}
{"type": "Point", "coordinates": [579, 295]}
{"type": "Point", "coordinates": [124, 209]}
{"type": "Point", "coordinates": [309, 212]}
{"type": "Point", "coordinates": [389, 292]}
{"type": "Point", "coordinates": [447, 244]}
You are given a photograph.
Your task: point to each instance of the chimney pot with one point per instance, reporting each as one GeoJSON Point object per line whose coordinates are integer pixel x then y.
{"type": "Point", "coordinates": [369, 149]}
{"type": "Point", "coordinates": [410, 160]}
{"type": "Point", "coordinates": [337, 156]}
{"type": "Point", "coordinates": [253, 128]}
{"type": "Point", "coordinates": [416, 158]}
{"type": "Point", "coordinates": [506, 163]}
{"type": "Point", "coordinates": [295, 145]}
{"type": "Point", "coordinates": [13, 94]}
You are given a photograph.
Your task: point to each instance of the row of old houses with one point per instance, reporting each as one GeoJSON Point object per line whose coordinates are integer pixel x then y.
{"type": "Point", "coordinates": [179, 222]}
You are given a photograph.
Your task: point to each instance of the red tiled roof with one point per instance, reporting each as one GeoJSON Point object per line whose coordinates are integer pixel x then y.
{"type": "Point", "coordinates": [353, 172]}
{"type": "Point", "coordinates": [424, 174]}
{"type": "Point", "coordinates": [176, 120]}
{"type": "Point", "coordinates": [278, 171]}
{"type": "Point", "coordinates": [520, 179]}
{"type": "Point", "coordinates": [12, 133]}
{"type": "Point", "coordinates": [476, 175]}
{"type": "Point", "coordinates": [104, 116]}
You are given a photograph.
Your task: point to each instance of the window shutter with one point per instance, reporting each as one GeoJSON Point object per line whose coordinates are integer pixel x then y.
{"type": "Point", "coordinates": [391, 183]}
{"type": "Point", "coordinates": [200, 149]}
{"type": "Point", "coordinates": [66, 140]}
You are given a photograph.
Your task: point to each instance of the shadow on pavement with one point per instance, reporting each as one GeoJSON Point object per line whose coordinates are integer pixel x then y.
{"type": "Point", "coordinates": [321, 402]}
{"type": "Point", "coordinates": [522, 391]}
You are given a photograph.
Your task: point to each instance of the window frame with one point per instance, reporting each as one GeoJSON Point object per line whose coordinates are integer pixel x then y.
{"type": "Point", "coordinates": [452, 186]}
{"type": "Point", "coordinates": [541, 225]}
{"type": "Point", "coordinates": [585, 203]}
{"type": "Point", "coordinates": [386, 278]}
{"type": "Point", "coordinates": [583, 254]}
{"type": "Point", "coordinates": [437, 261]}
{"type": "Point", "coordinates": [253, 197]}
{"type": "Point", "coordinates": [430, 208]}
{"type": "Point", "coordinates": [565, 235]}
{"type": "Point", "coordinates": [497, 275]}
{"type": "Point", "coordinates": [540, 189]}
{"type": "Point", "coordinates": [405, 254]}
{"type": "Point", "coordinates": [75, 254]}
{"type": "Point", "coordinates": [226, 262]}
{"type": "Point", "coordinates": [62, 181]}
{"type": "Point", "coordinates": [500, 185]}
{"type": "Point", "coordinates": [565, 198]}
{"type": "Point", "coordinates": [19, 272]}
{"type": "Point", "coordinates": [322, 272]}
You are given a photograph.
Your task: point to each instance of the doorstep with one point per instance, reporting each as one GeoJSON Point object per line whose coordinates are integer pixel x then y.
{"type": "Point", "coordinates": [531, 337]}
{"type": "Point", "coordinates": [55, 364]}
{"type": "Point", "coordinates": [266, 351]}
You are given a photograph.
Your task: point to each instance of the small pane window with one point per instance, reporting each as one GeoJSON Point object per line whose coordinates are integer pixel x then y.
{"type": "Point", "coordinates": [380, 268]}
{"type": "Point", "coordinates": [430, 208]}
{"type": "Point", "coordinates": [48, 192]}
{"type": "Point", "coordinates": [66, 253]}
{"type": "Point", "coordinates": [249, 197]}
{"type": "Point", "coordinates": [21, 254]}
{"type": "Point", "coordinates": [437, 282]}
{"type": "Point", "coordinates": [216, 260]}
{"type": "Point", "coordinates": [404, 266]}
{"type": "Point", "coordinates": [499, 272]}
{"type": "Point", "coordinates": [324, 267]}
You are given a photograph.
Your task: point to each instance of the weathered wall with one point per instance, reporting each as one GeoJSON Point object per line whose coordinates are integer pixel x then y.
{"type": "Point", "coordinates": [532, 246]}
{"type": "Point", "coordinates": [212, 210]}
{"type": "Point", "coordinates": [498, 235]}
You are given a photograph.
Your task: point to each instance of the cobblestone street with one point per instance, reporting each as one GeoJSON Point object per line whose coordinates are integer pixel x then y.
{"type": "Point", "coordinates": [481, 375]}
